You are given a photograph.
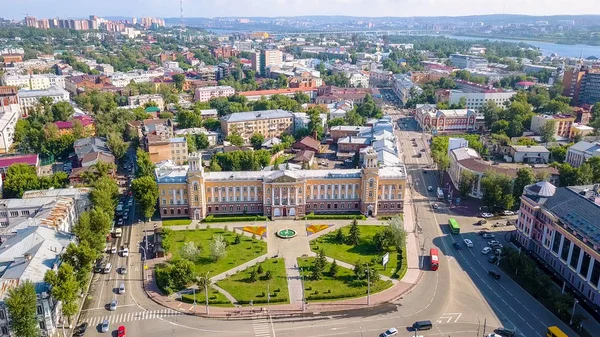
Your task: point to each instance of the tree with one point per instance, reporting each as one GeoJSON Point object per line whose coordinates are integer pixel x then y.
{"type": "Point", "coordinates": [145, 193]}
{"type": "Point", "coordinates": [337, 121]}
{"type": "Point", "coordinates": [235, 139]}
{"type": "Point", "coordinates": [20, 178]}
{"type": "Point", "coordinates": [81, 256]}
{"type": "Point", "coordinates": [117, 145]}
{"type": "Point", "coordinates": [359, 270]}
{"type": "Point", "coordinates": [179, 80]}
{"type": "Point", "coordinates": [145, 167]}
{"type": "Point", "coordinates": [64, 287]}
{"type": "Point", "coordinates": [253, 276]}
{"type": "Point", "coordinates": [217, 247]}
{"type": "Point", "coordinates": [315, 124]}
{"type": "Point", "coordinates": [467, 180]}
{"type": "Point", "coordinates": [547, 131]}
{"type": "Point", "coordinates": [214, 165]}
{"type": "Point", "coordinates": [104, 194]}
{"type": "Point", "coordinates": [189, 119]}
{"type": "Point", "coordinates": [189, 251]}
{"type": "Point", "coordinates": [585, 175]}
{"type": "Point", "coordinates": [354, 234]}
{"type": "Point", "coordinates": [524, 177]}
{"type": "Point", "coordinates": [594, 163]}
{"type": "Point", "coordinates": [497, 191]}
{"type": "Point", "coordinates": [333, 269]}
{"type": "Point", "coordinates": [558, 153]}
{"type": "Point", "coordinates": [62, 111]}
{"type": "Point", "coordinates": [339, 236]}
{"type": "Point", "coordinates": [256, 140]}
{"type": "Point", "coordinates": [319, 266]}
{"type": "Point", "coordinates": [21, 302]}
{"type": "Point", "coordinates": [567, 174]}
{"type": "Point", "coordinates": [268, 275]}
{"type": "Point", "coordinates": [397, 233]}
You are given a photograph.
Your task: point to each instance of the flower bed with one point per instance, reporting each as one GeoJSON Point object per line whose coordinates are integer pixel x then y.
{"type": "Point", "coordinates": [314, 229]}
{"type": "Point", "coordinates": [256, 230]}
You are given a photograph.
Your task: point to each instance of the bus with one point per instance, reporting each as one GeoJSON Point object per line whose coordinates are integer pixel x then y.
{"type": "Point", "coordinates": [454, 227]}
{"type": "Point", "coordinates": [554, 331]}
{"type": "Point", "coordinates": [435, 260]}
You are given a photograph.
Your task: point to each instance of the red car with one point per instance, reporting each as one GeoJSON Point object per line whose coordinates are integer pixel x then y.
{"type": "Point", "coordinates": [121, 331]}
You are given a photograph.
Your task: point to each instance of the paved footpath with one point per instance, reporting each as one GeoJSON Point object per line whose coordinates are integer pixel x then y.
{"type": "Point", "coordinates": [290, 250]}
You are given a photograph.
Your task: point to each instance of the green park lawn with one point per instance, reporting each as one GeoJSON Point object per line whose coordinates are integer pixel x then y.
{"type": "Point", "coordinates": [176, 222]}
{"type": "Point", "coordinates": [244, 291]}
{"type": "Point", "coordinates": [344, 285]}
{"type": "Point", "coordinates": [364, 252]}
{"type": "Point", "coordinates": [215, 298]}
{"type": "Point", "coordinates": [235, 255]}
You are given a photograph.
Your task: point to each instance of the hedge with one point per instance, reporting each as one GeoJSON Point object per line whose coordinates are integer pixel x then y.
{"type": "Point", "coordinates": [212, 218]}
{"type": "Point", "coordinates": [265, 301]}
{"type": "Point", "coordinates": [313, 216]}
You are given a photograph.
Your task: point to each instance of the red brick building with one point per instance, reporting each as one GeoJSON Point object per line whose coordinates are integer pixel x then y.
{"type": "Point", "coordinates": [225, 52]}
{"type": "Point", "coordinates": [8, 95]}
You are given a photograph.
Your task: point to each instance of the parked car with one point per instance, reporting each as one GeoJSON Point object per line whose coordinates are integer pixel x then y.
{"type": "Point", "coordinates": [125, 251]}
{"type": "Point", "coordinates": [507, 213]}
{"type": "Point", "coordinates": [505, 332]}
{"type": "Point", "coordinates": [488, 236]}
{"type": "Point", "coordinates": [113, 305]}
{"type": "Point", "coordinates": [122, 288]}
{"type": "Point", "coordinates": [80, 330]}
{"type": "Point", "coordinates": [486, 250]}
{"type": "Point", "coordinates": [457, 245]}
{"type": "Point", "coordinates": [492, 259]}
{"type": "Point", "coordinates": [105, 326]}
{"type": "Point", "coordinates": [498, 224]}
{"type": "Point", "coordinates": [389, 332]}
{"type": "Point", "coordinates": [482, 232]}
{"type": "Point", "coordinates": [493, 242]}
{"type": "Point", "coordinates": [123, 270]}
{"type": "Point", "coordinates": [481, 222]}
{"type": "Point", "coordinates": [468, 243]}
{"type": "Point", "coordinates": [494, 274]}
{"type": "Point", "coordinates": [487, 215]}
{"type": "Point", "coordinates": [435, 206]}
{"type": "Point", "coordinates": [121, 331]}
{"type": "Point", "coordinates": [429, 188]}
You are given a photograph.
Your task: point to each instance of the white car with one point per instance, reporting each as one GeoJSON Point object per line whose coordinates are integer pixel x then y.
{"type": "Point", "coordinates": [125, 252]}
{"type": "Point", "coordinates": [487, 215]}
{"type": "Point", "coordinates": [508, 213]}
{"type": "Point", "coordinates": [389, 332]}
{"type": "Point", "coordinates": [429, 188]}
{"type": "Point", "coordinates": [122, 288]}
{"type": "Point", "coordinates": [105, 326]}
{"type": "Point", "coordinates": [493, 242]}
{"type": "Point", "coordinates": [435, 206]}
{"type": "Point", "coordinates": [468, 243]}
{"type": "Point", "coordinates": [486, 250]}
{"type": "Point", "coordinates": [113, 305]}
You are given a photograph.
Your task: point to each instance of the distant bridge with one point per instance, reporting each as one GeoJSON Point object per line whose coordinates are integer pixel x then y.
{"type": "Point", "coordinates": [376, 31]}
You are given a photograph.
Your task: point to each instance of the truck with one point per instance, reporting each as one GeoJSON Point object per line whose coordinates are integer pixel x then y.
{"type": "Point", "coordinates": [440, 194]}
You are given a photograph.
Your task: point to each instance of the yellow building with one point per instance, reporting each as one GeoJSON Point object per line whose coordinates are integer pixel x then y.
{"type": "Point", "coordinates": [188, 191]}
{"type": "Point", "coordinates": [269, 123]}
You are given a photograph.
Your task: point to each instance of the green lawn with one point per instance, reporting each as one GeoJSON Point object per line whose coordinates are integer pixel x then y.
{"type": "Point", "coordinates": [245, 251]}
{"type": "Point", "coordinates": [344, 285]}
{"type": "Point", "coordinates": [176, 222]}
{"type": "Point", "coordinates": [240, 287]}
{"type": "Point", "coordinates": [365, 252]}
{"type": "Point", "coordinates": [214, 298]}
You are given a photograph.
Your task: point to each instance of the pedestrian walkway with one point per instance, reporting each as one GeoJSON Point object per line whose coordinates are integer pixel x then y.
{"type": "Point", "coordinates": [133, 316]}
{"type": "Point", "coordinates": [294, 281]}
{"type": "Point", "coordinates": [262, 327]}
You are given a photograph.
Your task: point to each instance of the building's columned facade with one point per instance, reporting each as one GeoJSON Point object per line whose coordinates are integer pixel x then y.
{"type": "Point", "coordinates": [188, 191]}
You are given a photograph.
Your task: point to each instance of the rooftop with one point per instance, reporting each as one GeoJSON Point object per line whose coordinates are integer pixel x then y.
{"type": "Point", "coordinates": [29, 159]}
{"type": "Point", "coordinates": [257, 115]}
{"type": "Point", "coordinates": [530, 148]}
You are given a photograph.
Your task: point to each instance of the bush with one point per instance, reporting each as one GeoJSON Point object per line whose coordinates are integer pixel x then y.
{"type": "Point", "coordinates": [313, 216]}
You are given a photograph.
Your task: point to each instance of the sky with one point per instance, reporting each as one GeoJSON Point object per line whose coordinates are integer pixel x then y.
{"type": "Point", "coordinates": [17, 9]}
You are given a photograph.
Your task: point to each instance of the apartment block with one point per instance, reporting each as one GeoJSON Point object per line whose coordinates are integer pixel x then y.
{"type": "Point", "coordinates": [562, 124]}
{"type": "Point", "coordinates": [578, 153]}
{"type": "Point", "coordinates": [205, 94]}
{"type": "Point", "coordinates": [264, 59]}
{"type": "Point", "coordinates": [34, 82]}
{"type": "Point", "coordinates": [468, 61]}
{"type": "Point", "coordinates": [161, 148]}
{"type": "Point", "coordinates": [269, 123]}
{"type": "Point", "coordinates": [476, 100]}
{"type": "Point", "coordinates": [559, 226]}
{"type": "Point", "coordinates": [29, 98]}
{"type": "Point", "coordinates": [141, 100]}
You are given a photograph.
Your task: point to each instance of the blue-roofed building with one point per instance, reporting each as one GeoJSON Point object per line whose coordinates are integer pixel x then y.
{"type": "Point", "coordinates": [27, 256]}
{"type": "Point", "coordinates": [560, 227]}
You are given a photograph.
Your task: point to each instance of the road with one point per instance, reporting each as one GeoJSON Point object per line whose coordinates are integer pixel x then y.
{"type": "Point", "coordinates": [460, 298]}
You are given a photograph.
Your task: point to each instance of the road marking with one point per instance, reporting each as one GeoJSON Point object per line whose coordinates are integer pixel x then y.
{"type": "Point", "coordinates": [450, 317]}
{"type": "Point", "coordinates": [133, 316]}
{"type": "Point", "coordinates": [262, 327]}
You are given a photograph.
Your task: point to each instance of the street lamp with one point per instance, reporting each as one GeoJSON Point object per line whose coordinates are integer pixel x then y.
{"type": "Point", "coordinates": [302, 284]}
{"type": "Point", "coordinates": [573, 312]}
{"type": "Point", "coordinates": [144, 263]}
{"type": "Point", "coordinates": [368, 285]}
{"type": "Point", "coordinates": [207, 281]}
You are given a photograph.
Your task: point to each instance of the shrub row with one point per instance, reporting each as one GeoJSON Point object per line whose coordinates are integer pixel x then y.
{"type": "Point", "coordinates": [313, 216]}
{"type": "Point", "coordinates": [263, 301]}
{"type": "Point", "coordinates": [211, 218]}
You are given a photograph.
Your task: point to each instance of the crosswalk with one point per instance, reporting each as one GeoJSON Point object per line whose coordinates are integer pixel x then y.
{"type": "Point", "coordinates": [133, 316]}
{"type": "Point", "coordinates": [262, 328]}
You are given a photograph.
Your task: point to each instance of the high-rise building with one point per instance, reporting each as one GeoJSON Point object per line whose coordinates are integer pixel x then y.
{"type": "Point", "coordinates": [31, 21]}
{"type": "Point", "coordinates": [265, 58]}
{"type": "Point", "coordinates": [582, 85]}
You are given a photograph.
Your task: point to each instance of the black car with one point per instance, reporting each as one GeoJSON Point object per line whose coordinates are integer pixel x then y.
{"type": "Point", "coordinates": [494, 274]}
{"type": "Point", "coordinates": [482, 232]}
{"type": "Point", "coordinates": [504, 332]}
{"type": "Point", "coordinates": [80, 330]}
{"type": "Point", "coordinates": [457, 245]}
{"type": "Point", "coordinates": [492, 259]}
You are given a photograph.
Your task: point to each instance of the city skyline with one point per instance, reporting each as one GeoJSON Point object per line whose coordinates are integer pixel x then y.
{"type": "Point", "coordinates": [254, 8]}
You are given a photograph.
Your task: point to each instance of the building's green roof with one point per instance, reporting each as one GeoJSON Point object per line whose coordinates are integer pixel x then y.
{"type": "Point", "coordinates": [152, 109]}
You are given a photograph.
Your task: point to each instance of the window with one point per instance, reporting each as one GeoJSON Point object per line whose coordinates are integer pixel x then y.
{"type": "Point", "coordinates": [196, 198]}
{"type": "Point", "coordinates": [195, 186]}
{"type": "Point", "coordinates": [14, 213]}
{"type": "Point", "coordinates": [371, 183]}
{"type": "Point", "coordinates": [42, 325]}
{"type": "Point", "coordinates": [231, 208]}
{"type": "Point", "coordinates": [178, 211]}
{"type": "Point", "coordinates": [4, 330]}
{"type": "Point", "coordinates": [585, 265]}
{"type": "Point", "coordinates": [40, 310]}
{"type": "Point", "coordinates": [564, 254]}
{"type": "Point", "coordinates": [2, 314]}
{"type": "Point", "coordinates": [556, 242]}
{"type": "Point", "coordinates": [164, 201]}
{"type": "Point", "coordinates": [172, 211]}
{"type": "Point", "coordinates": [164, 211]}
{"type": "Point", "coordinates": [162, 192]}
{"type": "Point", "coordinates": [575, 257]}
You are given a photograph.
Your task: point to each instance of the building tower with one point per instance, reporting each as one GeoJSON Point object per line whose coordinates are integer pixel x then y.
{"type": "Point", "coordinates": [181, 13]}
{"type": "Point", "coordinates": [195, 187]}
{"type": "Point", "coordinates": [370, 183]}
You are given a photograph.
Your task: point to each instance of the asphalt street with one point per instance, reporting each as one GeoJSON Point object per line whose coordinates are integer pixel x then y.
{"type": "Point", "coordinates": [459, 298]}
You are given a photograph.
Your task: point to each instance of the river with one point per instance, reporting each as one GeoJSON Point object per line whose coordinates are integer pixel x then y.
{"type": "Point", "coordinates": [547, 48]}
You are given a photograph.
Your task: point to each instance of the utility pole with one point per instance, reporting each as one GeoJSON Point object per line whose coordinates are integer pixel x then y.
{"type": "Point", "coordinates": [368, 285]}
{"type": "Point", "coordinates": [484, 324]}
{"type": "Point", "coordinates": [573, 312]}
